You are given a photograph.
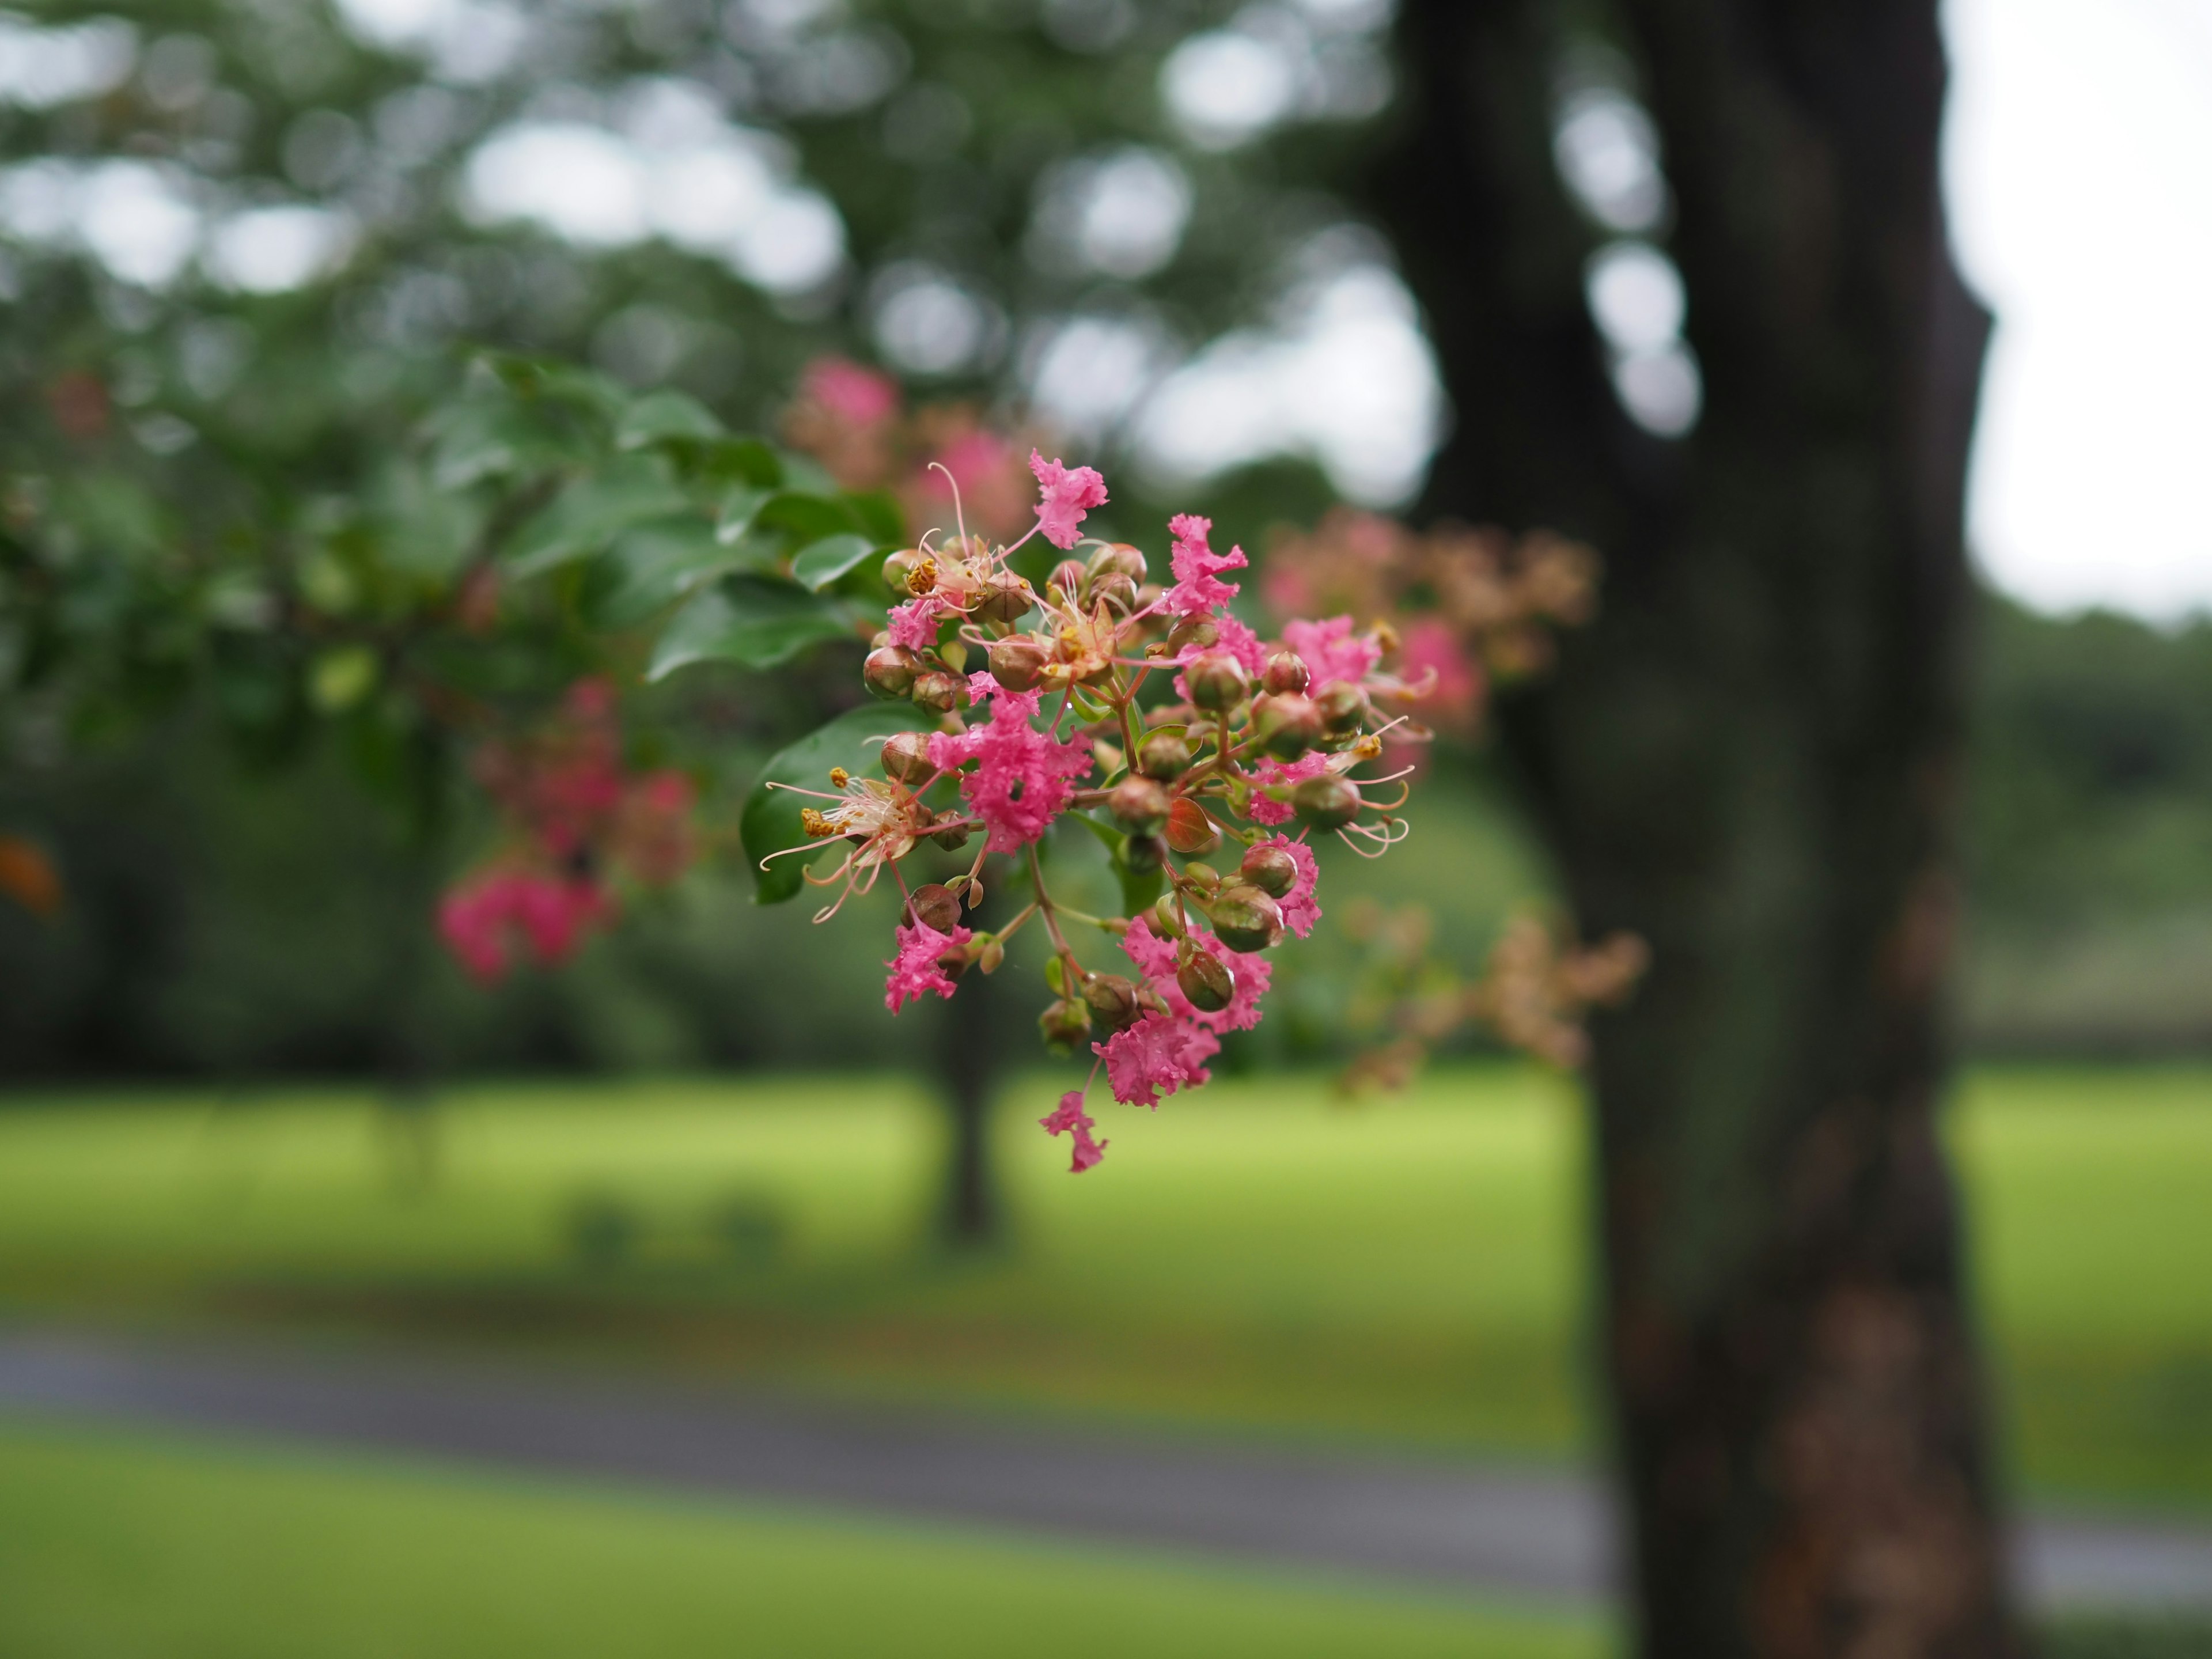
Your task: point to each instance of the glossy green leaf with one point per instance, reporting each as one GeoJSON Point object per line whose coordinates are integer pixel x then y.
{"type": "Point", "coordinates": [588, 514]}
{"type": "Point", "coordinates": [653, 565]}
{"type": "Point", "coordinates": [819, 563]}
{"type": "Point", "coordinates": [810, 516]}
{"type": "Point", "coordinates": [665, 414]}
{"type": "Point", "coordinates": [750, 621]}
{"type": "Point", "coordinates": [880, 516]}
{"type": "Point", "coordinates": [771, 820]}
{"type": "Point", "coordinates": [740, 461]}
{"type": "Point", "coordinates": [740, 506]}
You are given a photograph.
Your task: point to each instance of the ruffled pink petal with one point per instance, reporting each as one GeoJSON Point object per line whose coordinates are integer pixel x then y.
{"type": "Point", "coordinates": [1068, 494]}
{"type": "Point", "coordinates": [1156, 1056]}
{"type": "Point", "coordinates": [914, 623]}
{"type": "Point", "coordinates": [914, 970]}
{"type": "Point", "coordinates": [1330, 651]}
{"type": "Point", "coordinates": [1069, 1118]}
{"type": "Point", "coordinates": [1265, 810]}
{"type": "Point", "coordinates": [1023, 779]}
{"type": "Point", "coordinates": [1197, 568]}
{"type": "Point", "coordinates": [1299, 908]}
{"type": "Point", "coordinates": [1155, 958]}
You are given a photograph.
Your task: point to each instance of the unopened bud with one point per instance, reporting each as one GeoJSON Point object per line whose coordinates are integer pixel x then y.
{"type": "Point", "coordinates": [1190, 832]}
{"type": "Point", "coordinates": [991, 956]}
{"type": "Point", "coordinates": [1018, 662]}
{"type": "Point", "coordinates": [1116, 592]}
{"type": "Point", "coordinates": [934, 907]}
{"type": "Point", "coordinates": [890, 670]}
{"type": "Point", "coordinates": [1246, 918]}
{"type": "Point", "coordinates": [1201, 631]}
{"type": "Point", "coordinates": [1006, 598]}
{"type": "Point", "coordinates": [1167, 918]}
{"type": "Point", "coordinates": [939, 691]}
{"type": "Point", "coordinates": [1217, 681]}
{"type": "Point", "coordinates": [899, 567]}
{"type": "Point", "coordinates": [1068, 577]}
{"type": "Point", "coordinates": [1205, 877]}
{"type": "Point", "coordinates": [1287, 725]}
{"type": "Point", "coordinates": [1285, 671]}
{"type": "Point", "coordinates": [1342, 705]}
{"type": "Point", "coordinates": [952, 840]}
{"type": "Point", "coordinates": [1271, 869]}
{"type": "Point", "coordinates": [955, 960]}
{"type": "Point", "coordinates": [1140, 805]}
{"type": "Point", "coordinates": [1142, 854]}
{"type": "Point", "coordinates": [1207, 981]}
{"type": "Point", "coordinates": [1163, 756]}
{"type": "Point", "coordinates": [1326, 802]}
{"type": "Point", "coordinates": [1118, 560]}
{"type": "Point", "coordinates": [1064, 1025]}
{"type": "Point", "coordinates": [906, 757]}
{"type": "Point", "coordinates": [1112, 1001]}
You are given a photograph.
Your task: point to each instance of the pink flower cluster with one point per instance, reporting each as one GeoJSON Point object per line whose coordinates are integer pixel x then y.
{"type": "Point", "coordinates": [485, 921]}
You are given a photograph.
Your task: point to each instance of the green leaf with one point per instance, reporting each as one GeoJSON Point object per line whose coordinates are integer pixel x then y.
{"type": "Point", "coordinates": [587, 515]}
{"type": "Point", "coordinates": [880, 515]}
{"type": "Point", "coordinates": [816, 566]}
{"type": "Point", "coordinates": [665, 414]}
{"type": "Point", "coordinates": [746, 461]}
{"type": "Point", "coordinates": [771, 822]}
{"type": "Point", "coordinates": [740, 506]}
{"type": "Point", "coordinates": [1139, 887]}
{"type": "Point", "coordinates": [655, 564]}
{"type": "Point", "coordinates": [811, 516]}
{"type": "Point", "coordinates": [747, 620]}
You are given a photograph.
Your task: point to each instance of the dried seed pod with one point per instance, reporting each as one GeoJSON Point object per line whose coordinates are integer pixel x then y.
{"type": "Point", "coordinates": [1163, 756]}
{"type": "Point", "coordinates": [906, 757]}
{"type": "Point", "coordinates": [1018, 662]}
{"type": "Point", "coordinates": [1217, 681]}
{"type": "Point", "coordinates": [1287, 724]}
{"type": "Point", "coordinates": [1326, 802]}
{"type": "Point", "coordinates": [1064, 1025]}
{"type": "Point", "coordinates": [1112, 1001]}
{"type": "Point", "coordinates": [1270, 869]}
{"type": "Point", "coordinates": [934, 907]}
{"type": "Point", "coordinates": [1140, 804]}
{"type": "Point", "coordinates": [1246, 918]}
{"type": "Point", "coordinates": [890, 671]}
{"type": "Point", "coordinates": [1190, 832]}
{"type": "Point", "coordinates": [1285, 671]}
{"type": "Point", "coordinates": [1207, 981]}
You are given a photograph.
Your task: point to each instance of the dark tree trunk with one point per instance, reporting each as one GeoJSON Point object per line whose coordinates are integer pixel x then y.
{"type": "Point", "coordinates": [968, 1073]}
{"type": "Point", "coordinates": [1752, 759]}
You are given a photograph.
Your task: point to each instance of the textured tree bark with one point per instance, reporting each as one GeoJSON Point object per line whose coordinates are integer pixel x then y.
{"type": "Point", "coordinates": [1752, 759]}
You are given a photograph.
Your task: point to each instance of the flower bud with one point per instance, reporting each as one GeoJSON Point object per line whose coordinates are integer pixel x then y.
{"type": "Point", "coordinates": [1118, 560]}
{"type": "Point", "coordinates": [1144, 853]}
{"type": "Point", "coordinates": [992, 957]}
{"type": "Point", "coordinates": [1140, 804]}
{"type": "Point", "coordinates": [1271, 869]}
{"type": "Point", "coordinates": [1205, 877]}
{"type": "Point", "coordinates": [1326, 802]}
{"type": "Point", "coordinates": [1018, 662]}
{"type": "Point", "coordinates": [1112, 1001]}
{"type": "Point", "coordinates": [1006, 598]}
{"type": "Point", "coordinates": [890, 672]}
{"type": "Point", "coordinates": [1167, 918]}
{"type": "Point", "coordinates": [939, 691]}
{"type": "Point", "coordinates": [906, 757]}
{"type": "Point", "coordinates": [1343, 705]}
{"type": "Point", "coordinates": [1116, 592]}
{"type": "Point", "coordinates": [934, 907]}
{"type": "Point", "coordinates": [955, 960]}
{"type": "Point", "coordinates": [1163, 756]}
{"type": "Point", "coordinates": [1193, 631]}
{"type": "Point", "coordinates": [899, 567]}
{"type": "Point", "coordinates": [1217, 681]}
{"type": "Point", "coordinates": [1286, 725]}
{"type": "Point", "coordinates": [1207, 981]}
{"type": "Point", "coordinates": [952, 840]}
{"type": "Point", "coordinates": [1190, 832]}
{"type": "Point", "coordinates": [1246, 918]}
{"type": "Point", "coordinates": [1064, 1025]}
{"type": "Point", "coordinates": [1068, 577]}
{"type": "Point", "coordinates": [1285, 671]}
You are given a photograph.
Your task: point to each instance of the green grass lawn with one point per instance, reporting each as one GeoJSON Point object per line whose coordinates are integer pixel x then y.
{"type": "Point", "coordinates": [145, 1546]}
{"type": "Point", "coordinates": [1254, 1257]}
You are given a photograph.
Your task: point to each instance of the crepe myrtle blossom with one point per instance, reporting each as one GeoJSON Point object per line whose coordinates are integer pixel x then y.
{"type": "Point", "coordinates": [1098, 708]}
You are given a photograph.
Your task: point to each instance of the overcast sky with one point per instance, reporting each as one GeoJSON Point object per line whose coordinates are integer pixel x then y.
{"type": "Point", "coordinates": [2079, 164]}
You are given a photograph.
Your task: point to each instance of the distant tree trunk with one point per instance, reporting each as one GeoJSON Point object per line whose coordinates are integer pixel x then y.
{"type": "Point", "coordinates": [1752, 759]}
{"type": "Point", "coordinates": [973, 1217]}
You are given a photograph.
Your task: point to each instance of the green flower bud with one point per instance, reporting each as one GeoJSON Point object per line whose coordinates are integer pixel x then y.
{"type": "Point", "coordinates": [1018, 662]}
{"type": "Point", "coordinates": [1285, 671]}
{"type": "Point", "coordinates": [1112, 1001]}
{"type": "Point", "coordinates": [1326, 802]}
{"type": "Point", "coordinates": [890, 671]}
{"type": "Point", "coordinates": [1207, 981]}
{"type": "Point", "coordinates": [1114, 590]}
{"type": "Point", "coordinates": [1287, 724]}
{"type": "Point", "coordinates": [939, 690]}
{"type": "Point", "coordinates": [906, 757]}
{"type": "Point", "coordinates": [1144, 853]}
{"type": "Point", "coordinates": [1118, 560]}
{"type": "Point", "coordinates": [1217, 681]}
{"type": "Point", "coordinates": [1163, 756]}
{"type": "Point", "coordinates": [1342, 706]}
{"type": "Point", "coordinates": [1270, 869]}
{"type": "Point", "coordinates": [934, 907]}
{"type": "Point", "coordinates": [1140, 804]}
{"type": "Point", "coordinates": [1065, 1025]}
{"type": "Point", "coordinates": [1167, 918]}
{"type": "Point", "coordinates": [1246, 918]}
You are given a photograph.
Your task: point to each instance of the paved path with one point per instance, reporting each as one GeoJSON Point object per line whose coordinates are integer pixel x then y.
{"type": "Point", "coordinates": [1540, 1535]}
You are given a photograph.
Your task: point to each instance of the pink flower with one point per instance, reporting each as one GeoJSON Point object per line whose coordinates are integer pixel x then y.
{"type": "Point", "coordinates": [1067, 496]}
{"type": "Point", "coordinates": [849, 392]}
{"type": "Point", "coordinates": [914, 625]}
{"type": "Point", "coordinates": [1198, 567]}
{"type": "Point", "coordinates": [483, 920]}
{"type": "Point", "coordinates": [1156, 957]}
{"type": "Point", "coordinates": [1429, 645]}
{"type": "Point", "coordinates": [916, 968]}
{"type": "Point", "coordinates": [1300, 910]}
{"type": "Point", "coordinates": [1330, 651]}
{"type": "Point", "coordinates": [1069, 1116]}
{"type": "Point", "coordinates": [1158, 1056]}
{"type": "Point", "coordinates": [1265, 810]}
{"type": "Point", "coordinates": [553, 914]}
{"type": "Point", "coordinates": [1023, 779]}
{"type": "Point", "coordinates": [473, 921]}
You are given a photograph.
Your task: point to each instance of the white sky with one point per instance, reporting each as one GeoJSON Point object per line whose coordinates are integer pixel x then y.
{"type": "Point", "coordinates": [2079, 169]}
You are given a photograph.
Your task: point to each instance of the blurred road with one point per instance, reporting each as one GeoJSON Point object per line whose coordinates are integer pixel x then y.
{"type": "Point", "coordinates": [1538, 1534]}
